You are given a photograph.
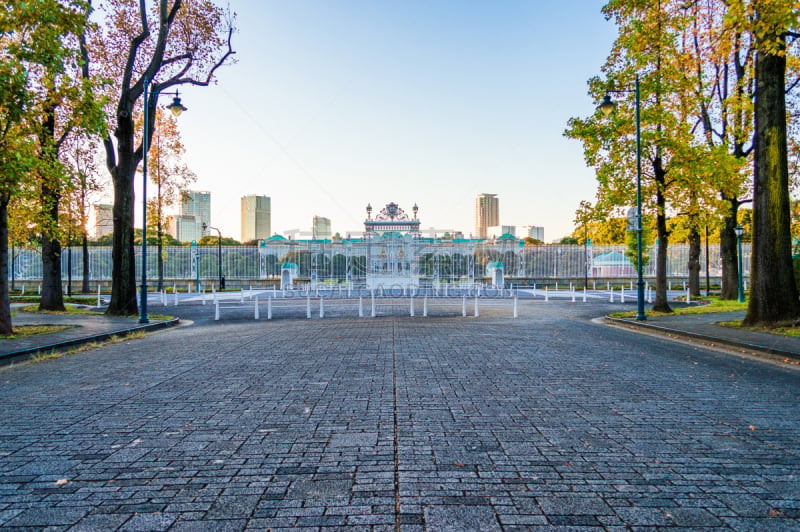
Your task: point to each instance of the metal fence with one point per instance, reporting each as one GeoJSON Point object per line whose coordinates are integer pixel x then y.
{"type": "Point", "coordinates": [349, 262]}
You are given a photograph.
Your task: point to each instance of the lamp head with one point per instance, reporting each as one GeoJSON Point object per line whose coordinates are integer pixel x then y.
{"type": "Point", "coordinates": [607, 106]}
{"type": "Point", "coordinates": [176, 106]}
{"type": "Point", "coordinates": [739, 231]}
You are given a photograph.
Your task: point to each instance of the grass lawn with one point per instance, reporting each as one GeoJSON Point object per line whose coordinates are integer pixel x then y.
{"type": "Point", "coordinates": [23, 331]}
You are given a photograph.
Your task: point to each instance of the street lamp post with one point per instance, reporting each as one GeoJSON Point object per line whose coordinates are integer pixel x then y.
{"type": "Point", "coordinates": [739, 232]}
{"type": "Point", "coordinates": [177, 108]}
{"type": "Point", "coordinates": [607, 106]}
{"type": "Point", "coordinates": [219, 255]}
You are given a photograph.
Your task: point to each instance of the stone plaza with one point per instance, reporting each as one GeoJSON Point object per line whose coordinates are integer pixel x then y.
{"type": "Point", "coordinates": [547, 421]}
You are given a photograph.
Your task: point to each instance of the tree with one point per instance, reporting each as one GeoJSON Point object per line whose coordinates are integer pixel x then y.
{"type": "Point", "coordinates": [176, 43]}
{"type": "Point", "coordinates": [38, 44]}
{"type": "Point", "coordinates": [170, 176]}
{"type": "Point", "coordinates": [773, 293]}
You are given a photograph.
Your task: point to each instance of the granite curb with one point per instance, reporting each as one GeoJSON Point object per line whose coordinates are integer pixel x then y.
{"type": "Point", "coordinates": [22, 355]}
{"type": "Point", "coordinates": [707, 339]}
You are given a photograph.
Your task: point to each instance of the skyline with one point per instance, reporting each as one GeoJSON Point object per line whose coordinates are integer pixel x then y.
{"type": "Point", "coordinates": [331, 107]}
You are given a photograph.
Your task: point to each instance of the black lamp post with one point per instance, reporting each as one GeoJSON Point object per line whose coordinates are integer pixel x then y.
{"type": "Point", "coordinates": [739, 232]}
{"type": "Point", "coordinates": [607, 107]}
{"type": "Point", "coordinates": [219, 256]}
{"type": "Point", "coordinates": [177, 108]}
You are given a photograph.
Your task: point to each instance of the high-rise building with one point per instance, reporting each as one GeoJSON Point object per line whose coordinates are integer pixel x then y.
{"type": "Point", "coordinates": [197, 203]}
{"type": "Point", "coordinates": [321, 227]}
{"type": "Point", "coordinates": [487, 213]}
{"type": "Point", "coordinates": [532, 231]}
{"type": "Point", "coordinates": [256, 217]}
{"type": "Point", "coordinates": [103, 220]}
{"type": "Point", "coordinates": [185, 228]}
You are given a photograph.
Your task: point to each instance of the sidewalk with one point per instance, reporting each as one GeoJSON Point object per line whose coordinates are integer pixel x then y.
{"type": "Point", "coordinates": [704, 328]}
{"type": "Point", "coordinates": [86, 328]}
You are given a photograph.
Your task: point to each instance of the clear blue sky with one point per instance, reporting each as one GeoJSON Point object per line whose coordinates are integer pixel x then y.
{"type": "Point", "coordinates": [334, 104]}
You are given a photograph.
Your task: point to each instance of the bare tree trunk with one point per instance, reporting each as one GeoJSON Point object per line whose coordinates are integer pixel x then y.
{"type": "Point", "coordinates": [729, 252]}
{"type": "Point", "coordinates": [661, 304]}
{"type": "Point", "coordinates": [773, 293]}
{"type": "Point", "coordinates": [5, 306]}
{"type": "Point", "coordinates": [123, 282]}
{"type": "Point", "coordinates": [694, 261]}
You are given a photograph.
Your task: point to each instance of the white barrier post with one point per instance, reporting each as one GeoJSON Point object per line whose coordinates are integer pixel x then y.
{"type": "Point", "coordinates": [515, 307]}
{"type": "Point", "coordinates": [308, 306]}
{"type": "Point", "coordinates": [546, 293]}
{"type": "Point", "coordinates": [164, 298]}
{"type": "Point", "coordinates": [269, 308]}
{"type": "Point", "coordinates": [175, 297]}
{"type": "Point", "coordinates": [611, 295]}
{"type": "Point", "coordinates": [425, 306]}
{"type": "Point", "coordinates": [594, 285]}
{"type": "Point", "coordinates": [241, 295]}
{"type": "Point", "coordinates": [572, 292]}
{"type": "Point", "coordinates": [360, 307]}
{"type": "Point", "coordinates": [188, 288]}
{"type": "Point", "coordinates": [477, 312]}
{"type": "Point", "coordinates": [373, 305]}
{"type": "Point", "coordinates": [411, 306]}
{"type": "Point", "coordinates": [556, 286]}
{"type": "Point", "coordinates": [216, 310]}
{"type": "Point", "coordinates": [40, 289]}
{"type": "Point", "coordinates": [622, 294]}
{"type": "Point", "coordinates": [688, 296]}
{"type": "Point", "coordinates": [255, 311]}
{"type": "Point", "coordinates": [321, 308]}
{"type": "Point", "coordinates": [98, 294]}
{"type": "Point", "coordinates": [584, 294]}
{"type": "Point", "coordinates": [464, 306]}
{"type": "Point", "coordinates": [203, 295]}
{"type": "Point", "coordinates": [251, 292]}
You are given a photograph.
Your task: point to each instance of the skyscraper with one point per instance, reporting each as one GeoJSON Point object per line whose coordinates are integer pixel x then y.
{"type": "Point", "coordinates": [103, 219]}
{"type": "Point", "coordinates": [256, 217]}
{"type": "Point", "coordinates": [198, 204]}
{"type": "Point", "coordinates": [321, 227]}
{"type": "Point", "coordinates": [487, 213]}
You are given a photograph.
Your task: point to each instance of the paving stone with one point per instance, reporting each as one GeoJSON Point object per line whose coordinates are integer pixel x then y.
{"type": "Point", "coordinates": [457, 518]}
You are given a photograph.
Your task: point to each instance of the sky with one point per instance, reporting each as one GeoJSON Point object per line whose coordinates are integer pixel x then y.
{"type": "Point", "coordinates": [334, 104]}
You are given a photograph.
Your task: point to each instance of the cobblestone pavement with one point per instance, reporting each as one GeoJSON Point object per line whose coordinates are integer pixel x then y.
{"type": "Point", "coordinates": [393, 423]}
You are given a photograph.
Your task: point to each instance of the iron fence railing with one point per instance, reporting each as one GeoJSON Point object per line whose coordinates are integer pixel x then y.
{"type": "Point", "coordinates": [349, 262]}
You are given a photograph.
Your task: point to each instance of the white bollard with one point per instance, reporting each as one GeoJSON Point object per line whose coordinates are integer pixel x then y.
{"type": "Point", "coordinates": [40, 289]}
{"type": "Point", "coordinates": [611, 296]}
{"type": "Point", "coordinates": [308, 306]}
{"type": "Point", "coordinates": [425, 306]}
{"type": "Point", "coordinates": [464, 306]}
{"type": "Point", "coordinates": [584, 294]}
{"type": "Point", "coordinates": [684, 285]}
{"type": "Point", "coordinates": [255, 310]}
{"type": "Point", "coordinates": [622, 294]}
{"type": "Point", "coordinates": [546, 294]}
{"type": "Point", "coordinates": [411, 306]}
{"type": "Point", "coordinates": [98, 294]}
{"type": "Point", "coordinates": [572, 292]}
{"type": "Point", "coordinates": [269, 308]}
{"type": "Point", "coordinates": [188, 288]}
{"type": "Point", "coordinates": [175, 296]}
{"type": "Point", "coordinates": [164, 298]}
{"type": "Point", "coordinates": [360, 307]}
{"type": "Point", "coordinates": [477, 312]}
{"type": "Point", "coordinates": [373, 305]}
{"type": "Point", "coordinates": [203, 295]}
{"type": "Point", "coordinates": [608, 286]}
{"type": "Point", "coordinates": [241, 295]}
{"type": "Point", "coordinates": [516, 314]}
{"type": "Point", "coordinates": [688, 296]}
{"type": "Point", "coordinates": [321, 308]}
{"type": "Point", "coordinates": [213, 288]}
{"type": "Point", "coordinates": [216, 310]}
{"type": "Point", "coordinates": [594, 285]}
{"type": "Point", "coordinates": [631, 286]}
